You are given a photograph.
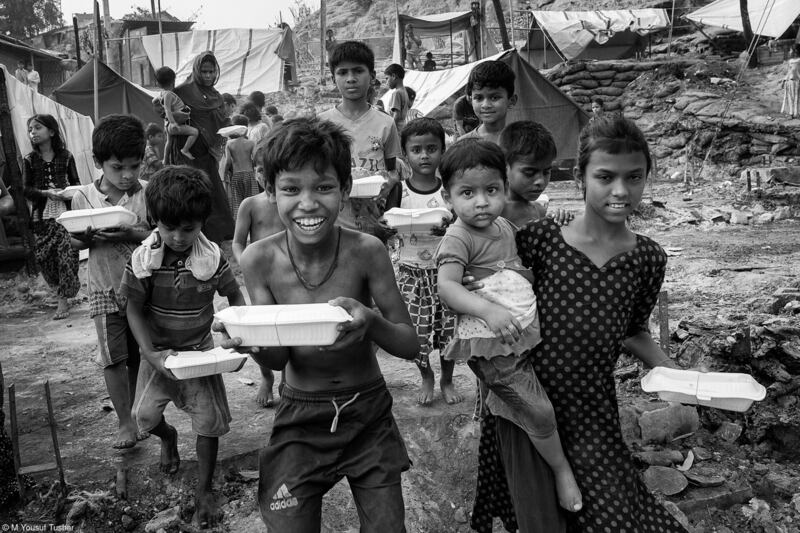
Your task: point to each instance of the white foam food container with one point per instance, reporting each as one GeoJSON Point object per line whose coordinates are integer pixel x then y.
{"type": "Point", "coordinates": [416, 220]}
{"type": "Point", "coordinates": [284, 325]}
{"type": "Point", "coordinates": [722, 390]}
{"type": "Point", "coordinates": [69, 192]}
{"type": "Point", "coordinates": [187, 365]}
{"type": "Point", "coordinates": [104, 217]}
{"type": "Point", "coordinates": [368, 187]}
{"type": "Point", "coordinates": [228, 131]}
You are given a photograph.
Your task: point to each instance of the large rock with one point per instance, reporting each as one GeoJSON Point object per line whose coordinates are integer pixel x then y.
{"type": "Point", "coordinates": [164, 520]}
{"type": "Point", "coordinates": [664, 480]}
{"type": "Point", "coordinates": [662, 425]}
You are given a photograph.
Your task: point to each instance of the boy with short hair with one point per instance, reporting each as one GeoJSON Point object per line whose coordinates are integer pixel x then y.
{"type": "Point", "coordinates": [375, 140]}
{"type": "Point", "coordinates": [490, 87]}
{"type": "Point", "coordinates": [335, 417]}
{"type": "Point", "coordinates": [175, 112]}
{"type": "Point", "coordinates": [170, 283]}
{"type": "Point", "coordinates": [423, 144]}
{"type": "Point", "coordinates": [398, 102]}
{"type": "Point", "coordinates": [229, 101]}
{"type": "Point", "coordinates": [21, 74]}
{"type": "Point", "coordinates": [117, 148]}
{"type": "Point", "coordinates": [271, 111]}
{"type": "Point", "coordinates": [154, 151]}
{"type": "Point", "coordinates": [239, 168]}
{"type": "Point", "coordinates": [430, 64]}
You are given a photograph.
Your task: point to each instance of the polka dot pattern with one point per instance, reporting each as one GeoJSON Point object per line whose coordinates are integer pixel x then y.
{"type": "Point", "coordinates": [585, 312]}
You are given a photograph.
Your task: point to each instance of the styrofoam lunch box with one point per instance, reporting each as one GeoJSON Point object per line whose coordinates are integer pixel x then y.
{"type": "Point", "coordinates": [187, 365]}
{"type": "Point", "coordinates": [70, 191]}
{"type": "Point", "coordinates": [368, 187]}
{"type": "Point", "coordinates": [411, 220]}
{"type": "Point", "coordinates": [730, 391]}
{"type": "Point", "coordinates": [104, 217]}
{"type": "Point", "coordinates": [237, 130]}
{"type": "Point", "coordinates": [284, 325]}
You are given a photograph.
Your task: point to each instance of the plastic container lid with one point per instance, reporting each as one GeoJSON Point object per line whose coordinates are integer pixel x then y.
{"type": "Point", "coordinates": [722, 390]}
{"type": "Point", "coordinates": [416, 219]}
{"type": "Point", "coordinates": [100, 218]}
{"type": "Point", "coordinates": [368, 187]}
{"type": "Point", "coordinates": [193, 364]}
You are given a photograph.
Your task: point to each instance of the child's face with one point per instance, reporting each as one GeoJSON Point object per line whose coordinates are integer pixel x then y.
{"type": "Point", "coordinates": [391, 81]}
{"type": "Point", "coordinates": [181, 237]}
{"type": "Point", "coordinates": [230, 109]}
{"type": "Point", "coordinates": [424, 152]}
{"type": "Point", "coordinates": [352, 80]}
{"type": "Point", "coordinates": [39, 133]}
{"type": "Point", "coordinates": [159, 139]}
{"type": "Point", "coordinates": [477, 196]}
{"type": "Point", "coordinates": [528, 177]}
{"type": "Point", "coordinates": [121, 174]}
{"type": "Point", "coordinates": [491, 104]}
{"type": "Point", "coordinates": [597, 109]}
{"type": "Point", "coordinates": [613, 184]}
{"type": "Point", "coordinates": [308, 202]}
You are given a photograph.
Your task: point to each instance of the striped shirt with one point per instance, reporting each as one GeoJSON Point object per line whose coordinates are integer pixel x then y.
{"type": "Point", "coordinates": [178, 307]}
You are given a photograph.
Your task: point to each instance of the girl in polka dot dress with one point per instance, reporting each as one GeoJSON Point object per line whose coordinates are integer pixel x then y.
{"type": "Point", "coordinates": [498, 324]}
{"type": "Point", "coordinates": [596, 284]}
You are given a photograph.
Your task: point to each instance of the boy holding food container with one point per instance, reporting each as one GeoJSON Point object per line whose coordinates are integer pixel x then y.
{"type": "Point", "coordinates": [169, 283]}
{"type": "Point", "coordinates": [335, 415]}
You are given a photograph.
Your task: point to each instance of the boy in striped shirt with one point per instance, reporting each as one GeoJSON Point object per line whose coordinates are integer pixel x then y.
{"type": "Point", "coordinates": [170, 283]}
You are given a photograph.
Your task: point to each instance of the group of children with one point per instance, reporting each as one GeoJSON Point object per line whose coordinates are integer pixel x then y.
{"type": "Point", "coordinates": [320, 246]}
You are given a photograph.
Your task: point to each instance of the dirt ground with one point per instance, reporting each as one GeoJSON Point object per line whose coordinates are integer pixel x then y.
{"type": "Point", "coordinates": [703, 279]}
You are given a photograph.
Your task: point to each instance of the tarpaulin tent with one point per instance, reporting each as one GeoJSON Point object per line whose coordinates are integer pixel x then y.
{"type": "Point", "coordinates": [770, 18]}
{"type": "Point", "coordinates": [115, 94]}
{"type": "Point", "coordinates": [440, 25]}
{"type": "Point", "coordinates": [75, 128]}
{"type": "Point", "coordinates": [249, 60]}
{"type": "Point", "coordinates": [537, 98]}
{"type": "Point", "coordinates": [610, 34]}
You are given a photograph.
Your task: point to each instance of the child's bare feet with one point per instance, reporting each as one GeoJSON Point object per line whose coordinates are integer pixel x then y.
{"type": "Point", "coordinates": [62, 311]}
{"type": "Point", "coordinates": [187, 154]}
{"type": "Point", "coordinates": [426, 391]}
{"type": "Point", "coordinates": [126, 437]}
{"type": "Point", "coordinates": [205, 510]}
{"type": "Point", "coordinates": [449, 392]}
{"type": "Point", "coordinates": [265, 397]}
{"type": "Point", "coordinates": [569, 495]}
{"type": "Point", "coordinates": [170, 460]}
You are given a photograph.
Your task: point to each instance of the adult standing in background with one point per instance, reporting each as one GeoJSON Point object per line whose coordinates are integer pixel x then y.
{"type": "Point", "coordinates": [208, 115]}
{"type": "Point", "coordinates": [413, 46]}
{"type": "Point", "coordinates": [791, 84]}
{"type": "Point", "coordinates": [330, 43]}
{"type": "Point", "coordinates": [21, 74]}
{"type": "Point", "coordinates": [33, 77]}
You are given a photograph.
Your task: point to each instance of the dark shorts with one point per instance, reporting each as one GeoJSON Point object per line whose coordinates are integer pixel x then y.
{"type": "Point", "coordinates": [312, 448]}
{"type": "Point", "coordinates": [115, 341]}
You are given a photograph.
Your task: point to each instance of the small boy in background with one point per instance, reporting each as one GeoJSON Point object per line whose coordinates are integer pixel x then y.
{"type": "Point", "coordinates": [430, 64]}
{"type": "Point", "coordinates": [117, 147]}
{"type": "Point", "coordinates": [490, 87]}
{"type": "Point", "coordinates": [175, 112]}
{"type": "Point", "coordinates": [239, 166]}
{"type": "Point", "coordinates": [423, 145]}
{"type": "Point", "coordinates": [375, 140]}
{"type": "Point", "coordinates": [335, 417]}
{"type": "Point", "coordinates": [154, 151]}
{"type": "Point", "coordinates": [398, 103]}
{"type": "Point", "coordinates": [256, 128]}
{"type": "Point", "coordinates": [271, 111]}
{"type": "Point", "coordinates": [257, 98]}
{"type": "Point", "coordinates": [229, 101]}
{"type": "Point", "coordinates": [170, 283]}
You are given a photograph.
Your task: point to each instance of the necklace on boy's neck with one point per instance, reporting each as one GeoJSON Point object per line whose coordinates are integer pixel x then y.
{"type": "Point", "coordinates": [307, 284]}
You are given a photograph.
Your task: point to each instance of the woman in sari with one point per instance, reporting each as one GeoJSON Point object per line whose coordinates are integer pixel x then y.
{"type": "Point", "coordinates": [207, 115]}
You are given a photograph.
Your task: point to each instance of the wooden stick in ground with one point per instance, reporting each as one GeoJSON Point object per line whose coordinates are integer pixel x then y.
{"type": "Point", "coordinates": [121, 485]}
{"type": "Point", "coordinates": [52, 420]}
{"type": "Point", "coordinates": [663, 320]}
{"type": "Point", "coordinates": [12, 411]}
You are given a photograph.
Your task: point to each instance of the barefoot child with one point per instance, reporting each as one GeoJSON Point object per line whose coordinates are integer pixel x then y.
{"type": "Point", "coordinates": [490, 88]}
{"type": "Point", "coordinates": [239, 166]}
{"type": "Point", "coordinates": [117, 147]}
{"type": "Point", "coordinates": [423, 144]}
{"type": "Point", "coordinates": [154, 151]}
{"type": "Point", "coordinates": [498, 324]}
{"type": "Point", "coordinates": [257, 219]}
{"type": "Point", "coordinates": [47, 170]}
{"type": "Point", "coordinates": [170, 283]}
{"type": "Point", "coordinates": [335, 416]}
{"type": "Point", "coordinates": [176, 113]}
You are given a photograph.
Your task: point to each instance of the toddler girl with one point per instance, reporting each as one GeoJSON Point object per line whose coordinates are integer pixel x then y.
{"type": "Point", "coordinates": [498, 324]}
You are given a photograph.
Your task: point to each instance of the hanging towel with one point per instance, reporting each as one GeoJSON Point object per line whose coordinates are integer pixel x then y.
{"type": "Point", "coordinates": [203, 260]}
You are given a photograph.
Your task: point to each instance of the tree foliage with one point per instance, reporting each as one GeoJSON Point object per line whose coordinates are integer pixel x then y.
{"type": "Point", "coordinates": [25, 18]}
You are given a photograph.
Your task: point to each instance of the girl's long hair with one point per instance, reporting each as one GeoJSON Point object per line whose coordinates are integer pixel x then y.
{"type": "Point", "coordinates": [49, 122]}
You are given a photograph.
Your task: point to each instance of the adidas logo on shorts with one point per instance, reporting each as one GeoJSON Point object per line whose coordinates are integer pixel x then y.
{"type": "Point", "coordinates": [283, 499]}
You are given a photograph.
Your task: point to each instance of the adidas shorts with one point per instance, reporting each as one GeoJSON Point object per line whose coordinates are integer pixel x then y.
{"type": "Point", "coordinates": [312, 448]}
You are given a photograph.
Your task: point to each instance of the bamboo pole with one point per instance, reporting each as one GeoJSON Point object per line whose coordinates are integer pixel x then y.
{"type": "Point", "coordinates": [96, 82]}
{"type": "Point", "coordinates": [322, 54]}
{"type": "Point", "coordinates": [161, 35]}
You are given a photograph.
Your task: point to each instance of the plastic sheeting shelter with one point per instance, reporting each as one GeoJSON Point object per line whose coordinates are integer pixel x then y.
{"type": "Point", "coordinates": [75, 128]}
{"type": "Point", "coordinates": [609, 34]}
{"type": "Point", "coordinates": [115, 94]}
{"type": "Point", "coordinates": [439, 25]}
{"type": "Point", "coordinates": [537, 98]}
{"type": "Point", "coordinates": [249, 60]}
{"type": "Point", "coordinates": [770, 18]}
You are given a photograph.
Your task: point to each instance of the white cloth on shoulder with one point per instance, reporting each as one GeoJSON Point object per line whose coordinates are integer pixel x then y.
{"type": "Point", "coordinates": [203, 260]}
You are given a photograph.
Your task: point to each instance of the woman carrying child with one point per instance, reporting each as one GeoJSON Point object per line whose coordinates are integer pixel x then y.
{"type": "Point", "coordinates": [47, 170]}
{"type": "Point", "coordinates": [497, 325]}
{"type": "Point", "coordinates": [596, 283]}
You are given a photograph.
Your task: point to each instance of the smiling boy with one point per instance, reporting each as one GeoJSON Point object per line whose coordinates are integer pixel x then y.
{"type": "Point", "coordinates": [335, 416]}
{"type": "Point", "coordinates": [490, 87]}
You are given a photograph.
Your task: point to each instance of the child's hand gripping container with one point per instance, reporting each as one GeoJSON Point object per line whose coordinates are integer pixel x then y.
{"type": "Point", "coordinates": [71, 191]}
{"type": "Point", "coordinates": [730, 391]}
{"type": "Point", "coordinates": [416, 220]}
{"type": "Point", "coordinates": [188, 365]}
{"type": "Point", "coordinates": [284, 325]}
{"type": "Point", "coordinates": [104, 217]}
{"type": "Point", "coordinates": [368, 187]}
